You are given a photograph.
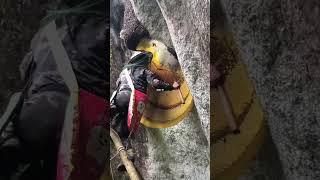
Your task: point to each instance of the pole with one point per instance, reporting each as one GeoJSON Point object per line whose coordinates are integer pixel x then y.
{"type": "Point", "coordinates": [132, 172]}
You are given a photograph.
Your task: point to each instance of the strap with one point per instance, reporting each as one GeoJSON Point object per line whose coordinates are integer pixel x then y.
{"type": "Point", "coordinates": [15, 104]}
{"type": "Point", "coordinates": [113, 95]}
{"type": "Point", "coordinates": [61, 57]}
{"type": "Point", "coordinates": [6, 117]}
{"type": "Point", "coordinates": [65, 69]}
{"type": "Point", "coordinates": [127, 75]}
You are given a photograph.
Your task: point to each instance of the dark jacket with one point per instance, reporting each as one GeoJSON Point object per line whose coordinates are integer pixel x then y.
{"type": "Point", "coordinates": [142, 76]}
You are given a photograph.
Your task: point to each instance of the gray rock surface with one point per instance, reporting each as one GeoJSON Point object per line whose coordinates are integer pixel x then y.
{"type": "Point", "coordinates": [189, 26]}
{"type": "Point", "coordinates": [119, 53]}
{"type": "Point", "coordinates": [178, 152]}
{"type": "Point", "coordinates": [182, 151]}
{"type": "Point", "coordinates": [266, 166]}
{"type": "Point", "coordinates": [148, 15]}
{"type": "Point", "coordinates": [279, 42]}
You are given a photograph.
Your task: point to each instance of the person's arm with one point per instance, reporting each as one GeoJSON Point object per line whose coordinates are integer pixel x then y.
{"type": "Point", "coordinates": [157, 83]}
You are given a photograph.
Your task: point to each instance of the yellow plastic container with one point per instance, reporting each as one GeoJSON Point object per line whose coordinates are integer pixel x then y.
{"type": "Point", "coordinates": [230, 153]}
{"type": "Point", "coordinates": [165, 108]}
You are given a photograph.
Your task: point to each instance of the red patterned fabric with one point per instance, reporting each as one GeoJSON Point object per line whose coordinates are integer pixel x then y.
{"type": "Point", "coordinates": [137, 105]}
{"type": "Point", "coordinates": [89, 151]}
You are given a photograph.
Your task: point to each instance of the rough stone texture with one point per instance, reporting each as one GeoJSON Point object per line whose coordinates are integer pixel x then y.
{"type": "Point", "coordinates": [179, 152]}
{"type": "Point", "coordinates": [279, 42]}
{"type": "Point", "coordinates": [148, 14]}
{"type": "Point", "coordinates": [119, 53]}
{"type": "Point", "coordinates": [182, 151]}
{"type": "Point", "coordinates": [188, 22]}
{"type": "Point", "coordinates": [266, 166]}
{"type": "Point", "coordinates": [132, 30]}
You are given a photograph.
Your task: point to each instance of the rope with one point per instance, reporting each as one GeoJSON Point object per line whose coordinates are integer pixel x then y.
{"type": "Point", "coordinates": [118, 151]}
{"type": "Point", "coordinates": [121, 148]}
{"type": "Point", "coordinates": [132, 172]}
{"type": "Point", "coordinates": [128, 139]}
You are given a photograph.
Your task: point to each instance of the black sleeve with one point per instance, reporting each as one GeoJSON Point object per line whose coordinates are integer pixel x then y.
{"type": "Point", "coordinates": [155, 82]}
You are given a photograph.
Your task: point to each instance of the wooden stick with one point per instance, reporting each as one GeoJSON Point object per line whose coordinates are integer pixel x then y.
{"type": "Point", "coordinates": [132, 172]}
{"type": "Point", "coordinates": [231, 120]}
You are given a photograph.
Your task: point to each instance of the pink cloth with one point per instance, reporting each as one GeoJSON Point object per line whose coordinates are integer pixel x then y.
{"type": "Point", "coordinates": [136, 108]}
{"type": "Point", "coordinates": [90, 135]}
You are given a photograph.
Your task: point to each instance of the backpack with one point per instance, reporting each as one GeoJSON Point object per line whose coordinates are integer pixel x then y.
{"type": "Point", "coordinates": [71, 66]}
